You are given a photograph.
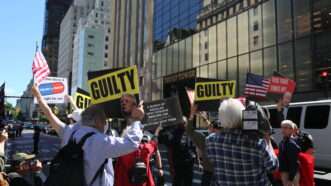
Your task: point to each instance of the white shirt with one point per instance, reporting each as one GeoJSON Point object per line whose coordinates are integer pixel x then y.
{"type": "Point", "coordinates": [100, 146]}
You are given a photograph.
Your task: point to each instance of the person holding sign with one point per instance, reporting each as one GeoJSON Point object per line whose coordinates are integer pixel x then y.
{"type": "Point", "coordinates": [98, 148]}
{"type": "Point", "coordinates": [282, 106]}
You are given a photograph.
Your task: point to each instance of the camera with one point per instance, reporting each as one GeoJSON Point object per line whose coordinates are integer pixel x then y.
{"type": "Point", "coordinates": [256, 119]}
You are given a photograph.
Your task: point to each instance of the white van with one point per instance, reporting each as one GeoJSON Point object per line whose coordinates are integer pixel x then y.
{"type": "Point", "coordinates": [314, 118]}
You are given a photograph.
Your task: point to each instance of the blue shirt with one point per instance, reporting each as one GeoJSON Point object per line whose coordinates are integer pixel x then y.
{"type": "Point", "coordinates": [100, 146]}
{"type": "Point", "coordinates": [239, 159]}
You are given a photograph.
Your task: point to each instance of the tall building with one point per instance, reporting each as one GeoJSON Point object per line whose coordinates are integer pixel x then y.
{"type": "Point", "coordinates": [91, 44]}
{"type": "Point", "coordinates": [25, 104]}
{"type": "Point", "coordinates": [82, 12]}
{"type": "Point", "coordinates": [234, 37]}
{"type": "Point", "coordinates": [174, 14]}
{"type": "Point", "coordinates": [54, 13]}
{"type": "Point", "coordinates": [67, 32]}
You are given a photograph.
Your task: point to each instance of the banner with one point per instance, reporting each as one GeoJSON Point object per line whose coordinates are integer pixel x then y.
{"type": "Point", "coordinates": [53, 89]}
{"type": "Point", "coordinates": [107, 86]}
{"type": "Point", "coordinates": [166, 112]}
{"type": "Point", "coordinates": [281, 85]}
{"type": "Point", "coordinates": [82, 99]}
{"type": "Point", "coordinates": [208, 94]}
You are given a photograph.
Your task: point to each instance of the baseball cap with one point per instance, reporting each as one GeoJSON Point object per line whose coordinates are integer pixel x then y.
{"type": "Point", "coordinates": [76, 115]}
{"type": "Point", "coordinates": [21, 156]}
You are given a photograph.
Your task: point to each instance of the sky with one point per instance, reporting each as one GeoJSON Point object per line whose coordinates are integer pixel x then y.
{"type": "Point", "coordinates": [21, 26]}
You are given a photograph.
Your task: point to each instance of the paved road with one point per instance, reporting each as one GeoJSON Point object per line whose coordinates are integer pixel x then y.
{"type": "Point", "coordinates": [49, 146]}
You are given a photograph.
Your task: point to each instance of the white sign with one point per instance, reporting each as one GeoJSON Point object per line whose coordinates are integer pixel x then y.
{"type": "Point", "coordinates": [53, 89]}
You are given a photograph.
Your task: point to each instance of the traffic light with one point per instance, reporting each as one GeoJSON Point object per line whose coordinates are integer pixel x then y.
{"type": "Point", "coordinates": [324, 74]}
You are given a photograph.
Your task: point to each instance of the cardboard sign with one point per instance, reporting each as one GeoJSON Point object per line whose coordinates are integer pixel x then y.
{"type": "Point", "coordinates": [215, 90]}
{"type": "Point", "coordinates": [82, 99]}
{"type": "Point", "coordinates": [165, 112]}
{"type": "Point", "coordinates": [107, 86]}
{"type": "Point", "coordinates": [53, 89]}
{"type": "Point", "coordinates": [281, 85]}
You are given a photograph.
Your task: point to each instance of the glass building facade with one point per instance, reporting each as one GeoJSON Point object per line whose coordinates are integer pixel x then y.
{"type": "Point", "coordinates": [258, 36]}
{"type": "Point", "coordinates": [170, 14]}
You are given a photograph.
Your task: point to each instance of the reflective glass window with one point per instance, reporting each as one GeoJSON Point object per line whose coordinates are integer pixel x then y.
{"type": "Point", "coordinates": [204, 71]}
{"type": "Point", "coordinates": [243, 62]}
{"type": "Point", "coordinates": [189, 54]}
{"type": "Point", "coordinates": [232, 36]}
{"type": "Point", "coordinates": [270, 61]}
{"type": "Point", "coordinates": [232, 68]}
{"type": "Point", "coordinates": [255, 28]}
{"type": "Point", "coordinates": [221, 40]}
{"type": "Point", "coordinates": [243, 32]}
{"type": "Point", "coordinates": [256, 62]}
{"type": "Point", "coordinates": [269, 26]}
{"type": "Point", "coordinates": [284, 20]}
{"type": "Point", "coordinates": [303, 65]}
{"type": "Point", "coordinates": [286, 60]}
{"type": "Point", "coordinates": [221, 70]}
{"type": "Point", "coordinates": [181, 55]}
{"type": "Point", "coordinates": [171, 59]}
{"type": "Point", "coordinates": [212, 44]}
{"type": "Point", "coordinates": [196, 50]}
{"type": "Point", "coordinates": [212, 70]}
{"type": "Point", "coordinates": [164, 62]}
{"type": "Point", "coordinates": [301, 17]}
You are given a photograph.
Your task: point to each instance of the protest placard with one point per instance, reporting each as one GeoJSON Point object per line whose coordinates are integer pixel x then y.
{"type": "Point", "coordinates": [82, 98]}
{"type": "Point", "coordinates": [53, 89]}
{"type": "Point", "coordinates": [165, 112]}
{"type": "Point", "coordinates": [107, 86]}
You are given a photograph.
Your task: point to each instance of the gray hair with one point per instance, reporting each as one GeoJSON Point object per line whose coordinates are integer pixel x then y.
{"type": "Point", "coordinates": [230, 113]}
{"type": "Point", "coordinates": [92, 114]}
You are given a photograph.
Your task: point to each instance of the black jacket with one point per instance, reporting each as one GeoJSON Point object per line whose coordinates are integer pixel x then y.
{"type": "Point", "coordinates": [288, 157]}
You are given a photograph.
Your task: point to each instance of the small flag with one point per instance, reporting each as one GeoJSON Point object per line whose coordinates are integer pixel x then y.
{"type": "Point", "coordinates": [40, 69]}
{"type": "Point", "coordinates": [256, 85]}
{"type": "Point", "coordinates": [190, 95]}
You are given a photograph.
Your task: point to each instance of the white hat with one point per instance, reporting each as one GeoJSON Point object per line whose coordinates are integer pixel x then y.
{"type": "Point", "coordinates": [76, 115]}
{"type": "Point", "coordinates": [288, 123]}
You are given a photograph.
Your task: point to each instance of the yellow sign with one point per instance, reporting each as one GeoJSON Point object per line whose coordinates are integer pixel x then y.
{"type": "Point", "coordinates": [214, 90]}
{"type": "Point", "coordinates": [111, 86]}
{"type": "Point", "coordinates": [82, 101]}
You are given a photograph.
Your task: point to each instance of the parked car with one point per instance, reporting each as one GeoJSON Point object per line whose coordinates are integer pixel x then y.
{"type": "Point", "coordinates": [28, 126]}
{"type": "Point", "coordinates": [11, 131]}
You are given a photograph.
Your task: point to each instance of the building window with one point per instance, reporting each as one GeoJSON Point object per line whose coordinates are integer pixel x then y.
{"type": "Point", "coordinates": [206, 57]}
{"type": "Point", "coordinates": [107, 38]}
{"type": "Point", "coordinates": [101, 3]}
{"type": "Point", "coordinates": [255, 11]}
{"type": "Point", "coordinates": [106, 47]}
{"type": "Point", "coordinates": [206, 45]}
{"type": "Point", "coordinates": [91, 36]}
{"type": "Point", "coordinates": [90, 45]}
{"type": "Point", "coordinates": [256, 40]}
{"type": "Point", "coordinates": [96, 14]}
{"type": "Point", "coordinates": [256, 26]}
{"type": "Point", "coordinates": [106, 55]}
{"type": "Point", "coordinates": [90, 53]}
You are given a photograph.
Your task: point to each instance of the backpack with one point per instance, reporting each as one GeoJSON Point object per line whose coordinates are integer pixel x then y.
{"type": "Point", "coordinates": [67, 168]}
{"type": "Point", "coordinates": [138, 173]}
{"type": "Point", "coordinates": [305, 141]}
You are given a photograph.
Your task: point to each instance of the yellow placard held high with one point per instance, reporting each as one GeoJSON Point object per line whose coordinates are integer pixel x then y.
{"type": "Point", "coordinates": [111, 86]}
{"type": "Point", "coordinates": [82, 100]}
{"type": "Point", "coordinates": [215, 90]}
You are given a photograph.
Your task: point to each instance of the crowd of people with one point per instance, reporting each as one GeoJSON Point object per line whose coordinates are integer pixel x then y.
{"type": "Point", "coordinates": [92, 154]}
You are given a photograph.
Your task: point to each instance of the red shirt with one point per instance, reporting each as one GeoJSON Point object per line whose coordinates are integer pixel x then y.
{"type": "Point", "coordinates": [126, 162]}
{"type": "Point", "coordinates": [306, 169]}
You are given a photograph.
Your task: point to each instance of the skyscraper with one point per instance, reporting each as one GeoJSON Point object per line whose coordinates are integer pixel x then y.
{"type": "Point", "coordinates": [54, 13]}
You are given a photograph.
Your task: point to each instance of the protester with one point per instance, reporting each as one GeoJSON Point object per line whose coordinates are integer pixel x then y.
{"type": "Point", "coordinates": [288, 155]}
{"type": "Point", "coordinates": [307, 161]}
{"type": "Point", "coordinates": [125, 164]}
{"type": "Point", "coordinates": [3, 139]}
{"type": "Point", "coordinates": [99, 147]}
{"type": "Point", "coordinates": [181, 155]}
{"type": "Point", "coordinates": [36, 138]}
{"type": "Point", "coordinates": [282, 106]}
{"type": "Point", "coordinates": [199, 140]}
{"type": "Point", "coordinates": [239, 158]}
{"type": "Point", "coordinates": [25, 170]}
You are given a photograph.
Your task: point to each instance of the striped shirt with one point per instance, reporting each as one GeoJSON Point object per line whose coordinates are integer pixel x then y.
{"type": "Point", "coordinates": [240, 159]}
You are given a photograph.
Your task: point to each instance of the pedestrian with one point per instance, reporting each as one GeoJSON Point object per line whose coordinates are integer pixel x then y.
{"type": "Point", "coordinates": [238, 157]}
{"type": "Point", "coordinates": [36, 138]}
{"type": "Point", "coordinates": [20, 129]}
{"type": "Point", "coordinates": [288, 155]}
{"type": "Point", "coordinates": [25, 170]}
{"type": "Point", "coordinates": [199, 140]}
{"type": "Point", "coordinates": [181, 155]}
{"type": "Point", "coordinates": [282, 107]}
{"type": "Point", "coordinates": [98, 148]}
{"type": "Point", "coordinates": [125, 165]}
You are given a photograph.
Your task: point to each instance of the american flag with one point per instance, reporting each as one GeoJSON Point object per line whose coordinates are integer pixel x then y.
{"type": "Point", "coordinates": [256, 85]}
{"type": "Point", "coordinates": [190, 94]}
{"type": "Point", "coordinates": [40, 68]}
